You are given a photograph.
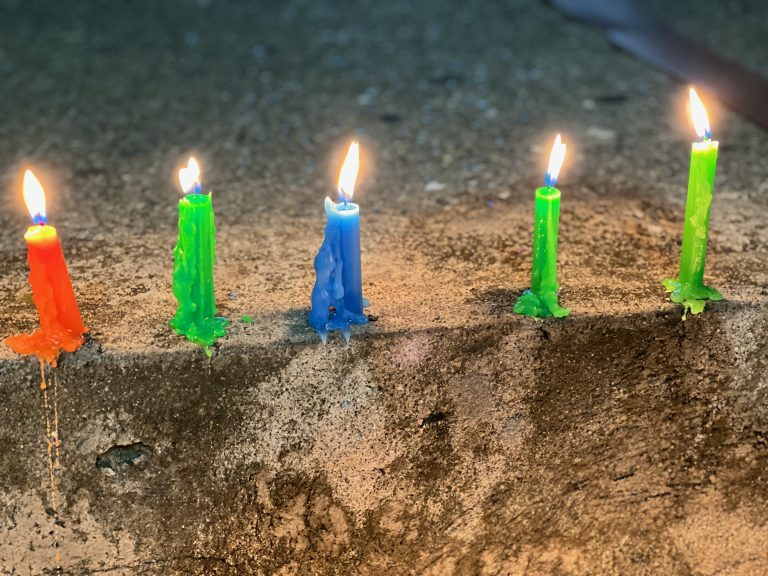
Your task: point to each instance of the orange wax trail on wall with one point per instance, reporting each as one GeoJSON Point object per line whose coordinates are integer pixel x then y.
{"type": "Point", "coordinates": [61, 327]}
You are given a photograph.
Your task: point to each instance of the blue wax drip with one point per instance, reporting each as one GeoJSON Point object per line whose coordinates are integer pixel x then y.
{"type": "Point", "coordinates": [337, 300]}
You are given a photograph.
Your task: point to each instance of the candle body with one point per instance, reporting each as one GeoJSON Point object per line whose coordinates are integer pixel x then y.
{"type": "Point", "coordinates": [347, 218]}
{"type": "Point", "coordinates": [688, 288]}
{"type": "Point", "coordinates": [61, 326]}
{"type": "Point", "coordinates": [194, 257]}
{"type": "Point", "coordinates": [337, 297]}
{"type": "Point", "coordinates": [540, 301]}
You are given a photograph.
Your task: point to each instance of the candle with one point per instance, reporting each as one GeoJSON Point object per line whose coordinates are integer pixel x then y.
{"type": "Point", "coordinates": [194, 257]}
{"type": "Point", "coordinates": [688, 288]}
{"type": "Point", "coordinates": [337, 298]}
{"type": "Point", "coordinates": [61, 327]}
{"type": "Point", "coordinates": [540, 301]}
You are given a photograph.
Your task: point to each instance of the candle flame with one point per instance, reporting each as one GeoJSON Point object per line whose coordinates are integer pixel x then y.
{"type": "Point", "coordinates": [348, 174]}
{"type": "Point", "coordinates": [699, 115]}
{"type": "Point", "coordinates": [189, 177]}
{"type": "Point", "coordinates": [556, 158]}
{"type": "Point", "coordinates": [34, 198]}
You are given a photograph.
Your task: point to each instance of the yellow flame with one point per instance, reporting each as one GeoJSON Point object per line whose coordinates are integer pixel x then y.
{"type": "Point", "coordinates": [189, 176]}
{"type": "Point", "coordinates": [698, 114]}
{"type": "Point", "coordinates": [348, 174]}
{"type": "Point", "coordinates": [556, 158]}
{"type": "Point", "coordinates": [34, 196]}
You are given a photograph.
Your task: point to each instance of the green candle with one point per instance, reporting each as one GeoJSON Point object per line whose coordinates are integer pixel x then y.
{"type": "Point", "coordinates": [688, 288]}
{"type": "Point", "coordinates": [540, 301]}
{"type": "Point", "coordinates": [194, 257]}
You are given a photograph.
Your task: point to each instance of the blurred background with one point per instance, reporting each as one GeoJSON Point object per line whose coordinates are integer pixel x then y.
{"type": "Point", "coordinates": [453, 100]}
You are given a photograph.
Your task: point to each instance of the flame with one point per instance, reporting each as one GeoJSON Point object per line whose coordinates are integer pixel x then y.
{"type": "Point", "coordinates": [189, 176]}
{"type": "Point", "coordinates": [556, 158]}
{"type": "Point", "coordinates": [34, 198]}
{"type": "Point", "coordinates": [699, 115]}
{"type": "Point", "coordinates": [348, 174]}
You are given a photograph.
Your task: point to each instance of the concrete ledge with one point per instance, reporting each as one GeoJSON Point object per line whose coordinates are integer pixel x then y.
{"type": "Point", "coordinates": [404, 452]}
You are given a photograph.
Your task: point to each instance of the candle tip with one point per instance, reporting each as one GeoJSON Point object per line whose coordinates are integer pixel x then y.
{"type": "Point", "coordinates": [699, 115]}
{"type": "Point", "coordinates": [189, 177]}
{"type": "Point", "coordinates": [348, 174]}
{"type": "Point", "coordinates": [556, 158]}
{"type": "Point", "coordinates": [34, 198]}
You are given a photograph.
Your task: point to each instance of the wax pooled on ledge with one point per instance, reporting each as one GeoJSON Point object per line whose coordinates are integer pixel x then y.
{"type": "Point", "coordinates": [688, 288]}
{"type": "Point", "coordinates": [193, 261]}
{"type": "Point", "coordinates": [61, 326]}
{"type": "Point", "coordinates": [337, 297]}
{"type": "Point", "coordinates": [540, 300]}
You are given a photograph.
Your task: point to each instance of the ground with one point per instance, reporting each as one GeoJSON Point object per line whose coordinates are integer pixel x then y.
{"type": "Point", "coordinates": [451, 436]}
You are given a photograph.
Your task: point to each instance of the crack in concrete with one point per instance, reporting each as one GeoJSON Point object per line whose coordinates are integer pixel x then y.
{"type": "Point", "coordinates": [197, 559]}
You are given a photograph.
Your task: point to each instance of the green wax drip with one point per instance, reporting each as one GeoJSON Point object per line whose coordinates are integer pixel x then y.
{"type": "Point", "coordinates": [246, 319]}
{"type": "Point", "coordinates": [194, 257]}
{"type": "Point", "coordinates": [540, 301]}
{"type": "Point", "coordinates": [693, 298]}
{"type": "Point", "coordinates": [688, 288]}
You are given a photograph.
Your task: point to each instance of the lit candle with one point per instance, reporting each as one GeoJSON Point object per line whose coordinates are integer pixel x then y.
{"type": "Point", "coordinates": [540, 301]}
{"type": "Point", "coordinates": [194, 257]}
{"type": "Point", "coordinates": [61, 327]}
{"type": "Point", "coordinates": [337, 298]}
{"type": "Point", "coordinates": [688, 288]}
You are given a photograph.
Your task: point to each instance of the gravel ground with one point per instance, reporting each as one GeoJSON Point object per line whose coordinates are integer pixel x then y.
{"type": "Point", "coordinates": [451, 436]}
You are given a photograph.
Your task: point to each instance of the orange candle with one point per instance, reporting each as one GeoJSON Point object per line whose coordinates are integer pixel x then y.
{"type": "Point", "coordinates": [61, 327]}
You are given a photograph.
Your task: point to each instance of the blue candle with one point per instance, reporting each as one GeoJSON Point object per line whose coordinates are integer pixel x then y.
{"type": "Point", "coordinates": [337, 298]}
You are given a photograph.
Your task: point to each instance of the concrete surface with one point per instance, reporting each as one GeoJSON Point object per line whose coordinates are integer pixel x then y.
{"type": "Point", "coordinates": [452, 436]}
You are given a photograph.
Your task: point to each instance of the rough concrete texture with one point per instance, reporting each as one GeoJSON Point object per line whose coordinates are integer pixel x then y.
{"type": "Point", "coordinates": [451, 436]}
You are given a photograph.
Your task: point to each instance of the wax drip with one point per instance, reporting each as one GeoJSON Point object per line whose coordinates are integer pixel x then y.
{"type": "Point", "coordinates": [46, 344]}
{"type": "Point", "coordinates": [328, 310]}
{"type": "Point", "coordinates": [53, 445]}
{"type": "Point", "coordinates": [56, 437]}
{"type": "Point", "coordinates": [541, 305]}
{"type": "Point", "coordinates": [692, 297]}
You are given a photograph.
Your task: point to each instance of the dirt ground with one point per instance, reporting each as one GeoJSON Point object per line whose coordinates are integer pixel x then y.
{"type": "Point", "coordinates": [451, 436]}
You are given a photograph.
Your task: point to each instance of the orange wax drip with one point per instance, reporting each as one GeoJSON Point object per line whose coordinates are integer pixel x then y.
{"type": "Point", "coordinates": [61, 327]}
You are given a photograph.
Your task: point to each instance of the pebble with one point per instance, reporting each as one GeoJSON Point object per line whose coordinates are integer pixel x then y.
{"type": "Point", "coordinates": [603, 134]}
